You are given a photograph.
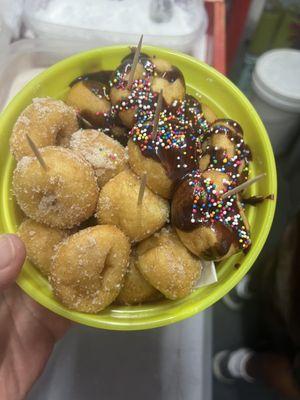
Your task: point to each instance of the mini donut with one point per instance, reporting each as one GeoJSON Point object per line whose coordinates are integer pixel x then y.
{"type": "Point", "coordinates": [167, 265]}
{"type": "Point", "coordinates": [169, 79]}
{"type": "Point", "coordinates": [224, 149]}
{"type": "Point", "coordinates": [118, 206]}
{"type": "Point", "coordinates": [136, 290]}
{"type": "Point", "coordinates": [105, 154]}
{"type": "Point", "coordinates": [88, 268]}
{"type": "Point", "coordinates": [157, 179]}
{"type": "Point", "coordinates": [209, 226]}
{"type": "Point", "coordinates": [47, 121]}
{"type": "Point", "coordinates": [61, 197]}
{"type": "Point", "coordinates": [40, 242]}
{"type": "Point", "coordinates": [125, 100]}
{"type": "Point", "coordinates": [91, 99]}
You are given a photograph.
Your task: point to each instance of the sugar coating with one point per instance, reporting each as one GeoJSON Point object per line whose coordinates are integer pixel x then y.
{"type": "Point", "coordinates": [136, 289]}
{"type": "Point", "coordinates": [47, 121]}
{"type": "Point", "coordinates": [167, 265]}
{"type": "Point", "coordinates": [118, 206]}
{"type": "Point", "coordinates": [88, 268]}
{"type": "Point", "coordinates": [107, 156]}
{"type": "Point", "coordinates": [63, 196]}
{"type": "Point", "coordinates": [41, 243]}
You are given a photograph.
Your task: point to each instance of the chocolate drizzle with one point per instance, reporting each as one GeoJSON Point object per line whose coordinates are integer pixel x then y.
{"type": "Point", "coordinates": [99, 76]}
{"type": "Point", "coordinates": [172, 75]}
{"type": "Point", "coordinates": [221, 158]}
{"type": "Point", "coordinates": [97, 88]}
{"type": "Point", "coordinates": [234, 126]}
{"type": "Point", "coordinates": [119, 76]}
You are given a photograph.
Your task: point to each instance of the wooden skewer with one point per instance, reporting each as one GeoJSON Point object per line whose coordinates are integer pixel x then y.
{"type": "Point", "coordinates": [135, 63]}
{"type": "Point", "coordinates": [156, 115]}
{"type": "Point", "coordinates": [36, 152]}
{"type": "Point", "coordinates": [142, 189]}
{"type": "Point", "coordinates": [242, 186]}
{"type": "Point", "coordinates": [85, 121]}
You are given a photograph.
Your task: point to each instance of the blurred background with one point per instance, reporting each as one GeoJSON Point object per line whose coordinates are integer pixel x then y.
{"type": "Point", "coordinates": [247, 346]}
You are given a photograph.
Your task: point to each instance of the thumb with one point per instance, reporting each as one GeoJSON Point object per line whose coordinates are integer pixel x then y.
{"type": "Point", "coordinates": [12, 256]}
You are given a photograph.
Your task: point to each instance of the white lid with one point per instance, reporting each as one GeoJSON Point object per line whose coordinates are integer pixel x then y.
{"type": "Point", "coordinates": [276, 78]}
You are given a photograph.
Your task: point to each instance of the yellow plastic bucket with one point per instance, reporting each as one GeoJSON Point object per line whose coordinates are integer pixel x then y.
{"type": "Point", "coordinates": [209, 86]}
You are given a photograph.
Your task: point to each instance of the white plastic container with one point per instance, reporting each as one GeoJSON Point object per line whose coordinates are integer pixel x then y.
{"type": "Point", "coordinates": [276, 95]}
{"type": "Point", "coordinates": [57, 19]}
{"type": "Point", "coordinates": [5, 36]}
{"type": "Point", "coordinates": [24, 59]}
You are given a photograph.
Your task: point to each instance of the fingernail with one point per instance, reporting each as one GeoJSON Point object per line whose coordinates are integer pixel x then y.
{"type": "Point", "coordinates": [7, 251]}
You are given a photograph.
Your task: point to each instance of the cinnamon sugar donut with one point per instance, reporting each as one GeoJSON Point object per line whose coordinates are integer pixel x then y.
{"type": "Point", "coordinates": [47, 121]}
{"type": "Point", "coordinates": [118, 206]}
{"type": "Point", "coordinates": [167, 265]}
{"type": "Point", "coordinates": [40, 242]}
{"type": "Point", "coordinates": [63, 196]}
{"type": "Point", "coordinates": [136, 289]}
{"type": "Point", "coordinates": [88, 268]}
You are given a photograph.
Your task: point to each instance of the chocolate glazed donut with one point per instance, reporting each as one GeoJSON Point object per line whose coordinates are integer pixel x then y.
{"type": "Point", "coordinates": [209, 227]}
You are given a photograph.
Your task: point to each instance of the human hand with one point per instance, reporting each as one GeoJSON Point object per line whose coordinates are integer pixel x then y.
{"type": "Point", "coordinates": [28, 331]}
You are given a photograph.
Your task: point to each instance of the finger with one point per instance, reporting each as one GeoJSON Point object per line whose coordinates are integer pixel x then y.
{"type": "Point", "coordinates": [12, 256]}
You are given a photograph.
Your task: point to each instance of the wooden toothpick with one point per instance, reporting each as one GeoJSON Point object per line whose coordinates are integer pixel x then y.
{"type": "Point", "coordinates": [156, 115]}
{"type": "Point", "coordinates": [36, 152]}
{"type": "Point", "coordinates": [85, 121]}
{"type": "Point", "coordinates": [135, 63]}
{"type": "Point", "coordinates": [142, 188]}
{"type": "Point", "coordinates": [242, 186]}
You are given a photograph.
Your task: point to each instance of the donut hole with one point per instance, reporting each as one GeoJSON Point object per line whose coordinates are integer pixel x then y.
{"type": "Point", "coordinates": [49, 201]}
